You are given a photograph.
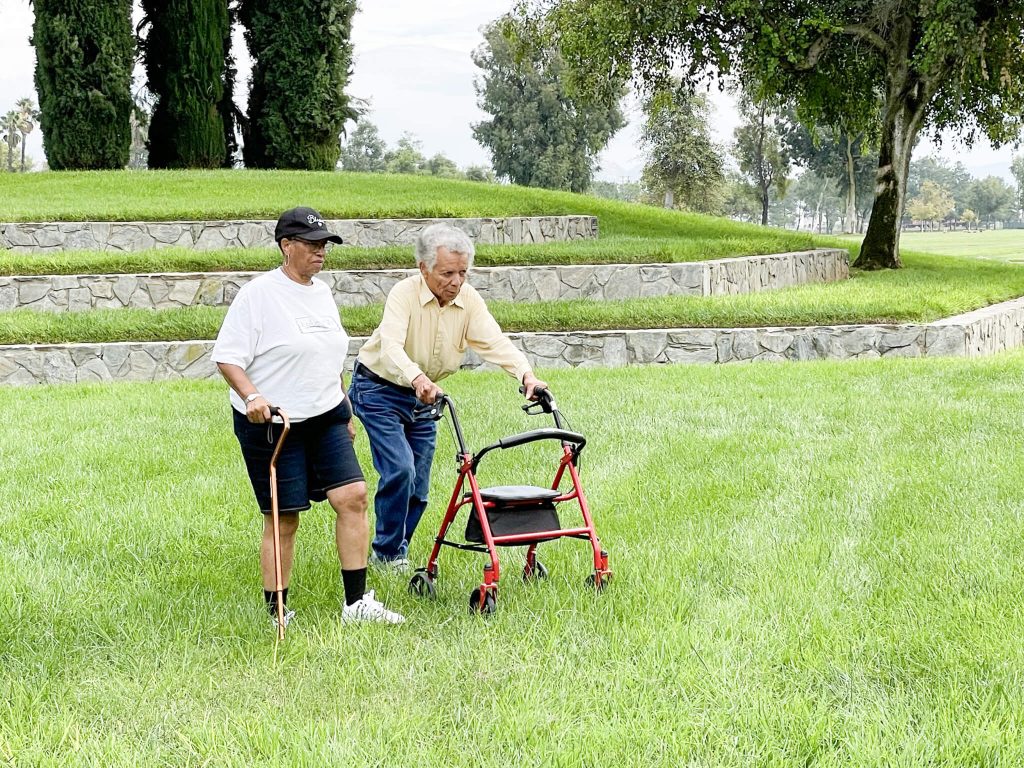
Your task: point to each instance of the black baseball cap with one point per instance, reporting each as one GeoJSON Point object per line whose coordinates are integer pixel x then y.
{"type": "Point", "coordinates": [305, 223]}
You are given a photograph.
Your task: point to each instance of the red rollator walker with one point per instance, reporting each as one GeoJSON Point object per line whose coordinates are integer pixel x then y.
{"type": "Point", "coordinates": [512, 515]}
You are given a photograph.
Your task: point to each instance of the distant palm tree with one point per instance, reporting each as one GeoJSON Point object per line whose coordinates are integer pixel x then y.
{"type": "Point", "coordinates": [11, 124]}
{"type": "Point", "coordinates": [29, 114]}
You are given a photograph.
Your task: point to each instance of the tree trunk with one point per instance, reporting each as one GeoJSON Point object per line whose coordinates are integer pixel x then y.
{"type": "Point", "coordinates": [670, 198]}
{"type": "Point", "coordinates": [817, 208]}
{"type": "Point", "coordinates": [764, 208]}
{"type": "Point", "coordinates": [851, 191]}
{"type": "Point", "coordinates": [881, 246]}
{"type": "Point", "coordinates": [906, 99]}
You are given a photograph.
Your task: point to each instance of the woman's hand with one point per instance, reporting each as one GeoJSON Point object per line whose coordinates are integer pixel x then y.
{"type": "Point", "coordinates": [257, 410]}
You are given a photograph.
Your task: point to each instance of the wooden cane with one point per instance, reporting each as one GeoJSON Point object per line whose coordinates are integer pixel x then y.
{"type": "Point", "coordinates": [275, 516]}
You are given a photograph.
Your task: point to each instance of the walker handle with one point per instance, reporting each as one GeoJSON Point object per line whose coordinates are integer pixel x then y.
{"type": "Point", "coordinates": [543, 399]}
{"type": "Point", "coordinates": [568, 438]}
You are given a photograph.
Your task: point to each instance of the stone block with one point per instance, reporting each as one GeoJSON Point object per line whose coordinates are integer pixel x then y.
{"type": "Point", "coordinates": [123, 288]}
{"type": "Point", "coordinates": [647, 346]}
{"type": "Point", "coordinates": [18, 235]}
{"type": "Point", "coordinates": [102, 288]}
{"type": "Point", "coordinates": [542, 344]}
{"type": "Point", "coordinates": [744, 344]}
{"type": "Point", "coordinates": [58, 367]}
{"type": "Point", "coordinates": [945, 341]}
{"type": "Point", "coordinates": [130, 237]}
{"type": "Point", "coordinates": [48, 237]}
{"type": "Point", "coordinates": [776, 341]}
{"type": "Point", "coordinates": [623, 283]}
{"type": "Point", "coordinates": [183, 292]}
{"type": "Point", "coordinates": [183, 355]}
{"type": "Point", "coordinates": [79, 300]}
{"type": "Point", "coordinates": [32, 291]}
{"type": "Point", "coordinates": [616, 353]}
{"type": "Point", "coordinates": [211, 292]}
{"type": "Point", "coordinates": [83, 239]}
{"type": "Point", "coordinates": [8, 296]}
{"type": "Point", "coordinates": [93, 370]}
{"type": "Point", "coordinates": [215, 238]}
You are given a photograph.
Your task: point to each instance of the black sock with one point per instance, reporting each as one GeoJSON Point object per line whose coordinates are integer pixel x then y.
{"type": "Point", "coordinates": [355, 584]}
{"type": "Point", "coordinates": [270, 596]}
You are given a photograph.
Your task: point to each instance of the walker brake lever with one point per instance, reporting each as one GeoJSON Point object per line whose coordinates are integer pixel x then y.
{"type": "Point", "coordinates": [429, 411]}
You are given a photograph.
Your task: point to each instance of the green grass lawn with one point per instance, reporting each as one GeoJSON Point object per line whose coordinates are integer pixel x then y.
{"type": "Point", "coordinates": [171, 195]}
{"type": "Point", "coordinates": [997, 244]}
{"type": "Point", "coordinates": [815, 564]}
{"type": "Point", "coordinates": [929, 288]}
{"type": "Point", "coordinates": [614, 249]}
{"type": "Point", "coordinates": [1001, 244]}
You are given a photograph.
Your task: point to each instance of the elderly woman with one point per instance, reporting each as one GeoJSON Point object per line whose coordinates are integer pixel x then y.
{"type": "Point", "coordinates": [282, 343]}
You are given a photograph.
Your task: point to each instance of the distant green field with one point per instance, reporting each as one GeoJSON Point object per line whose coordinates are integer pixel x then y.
{"type": "Point", "coordinates": [998, 244]}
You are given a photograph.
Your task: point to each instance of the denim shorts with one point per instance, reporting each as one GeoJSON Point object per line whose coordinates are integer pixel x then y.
{"type": "Point", "coordinates": [316, 456]}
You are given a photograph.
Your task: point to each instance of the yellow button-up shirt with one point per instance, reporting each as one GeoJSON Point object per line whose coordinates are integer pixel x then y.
{"type": "Point", "coordinates": [417, 335]}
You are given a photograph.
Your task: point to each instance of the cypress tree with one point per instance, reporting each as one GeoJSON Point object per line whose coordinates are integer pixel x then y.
{"type": "Point", "coordinates": [184, 54]}
{"type": "Point", "coordinates": [302, 57]}
{"type": "Point", "coordinates": [229, 112]}
{"type": "Point", "coordinates": [84, 55]}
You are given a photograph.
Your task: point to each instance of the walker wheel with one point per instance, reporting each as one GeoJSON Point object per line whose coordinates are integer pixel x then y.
{"type": "Point", "coordinates": [598, 581]}
{"type": "Point", "coordinates": [536, 573]}
{"type": "Point", "coordinates": [422, 585]}
{"type": "Point", "coordinates": [489, 606]}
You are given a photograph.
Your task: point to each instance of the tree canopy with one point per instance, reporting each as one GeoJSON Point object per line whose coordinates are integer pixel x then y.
{"type": "Point", "coordinates": [84, 56]}
{"type": "Point", "coordinates": [539, 135]}
{"type": "Point", "coordinates": [184, 54]}
{"type": "Point", "coordinates": [364, 149]}
{"type": "Point", "coordinates": [762, 158]}
{"type": "Point", "coordinates": [684, 167]}
{"type": "Point", "coordinates": [915, 64]}
{"type": "Point", "coordinates": [302, 55]}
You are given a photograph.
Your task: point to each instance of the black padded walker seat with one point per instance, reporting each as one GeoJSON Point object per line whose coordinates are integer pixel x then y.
{"type": "Point", "coordinates": [520, 493]}
{"type": "Point", "coordinates": [517, 509]}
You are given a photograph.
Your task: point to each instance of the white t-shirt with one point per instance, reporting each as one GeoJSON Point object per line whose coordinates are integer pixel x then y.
{"type": "Point", "coordinates": [289, 341]}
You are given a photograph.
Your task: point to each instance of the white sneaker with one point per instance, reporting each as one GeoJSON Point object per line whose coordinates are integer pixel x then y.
{"type": "Point", "coordinates": [288, 616]}
{"type": "Point", "coordinates": [369, 608]}
{"type": "Point", "coordinates": [397, 565]}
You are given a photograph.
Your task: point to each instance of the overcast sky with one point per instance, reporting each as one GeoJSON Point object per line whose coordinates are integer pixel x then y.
{"type": "Point", "coordinates": [413, 64]}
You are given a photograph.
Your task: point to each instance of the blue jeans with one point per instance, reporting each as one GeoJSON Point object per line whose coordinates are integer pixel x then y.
{"type": "Point", "coordinates": [402, 451]}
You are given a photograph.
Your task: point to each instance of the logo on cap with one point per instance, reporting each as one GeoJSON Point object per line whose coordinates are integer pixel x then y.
{"type": "Point", "coordinates": [311, 219]}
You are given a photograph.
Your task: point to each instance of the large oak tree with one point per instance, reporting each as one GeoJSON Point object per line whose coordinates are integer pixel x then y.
{"type": "Point", "coordinates": [920, 64]}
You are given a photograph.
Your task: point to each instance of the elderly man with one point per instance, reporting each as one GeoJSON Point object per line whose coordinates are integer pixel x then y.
{"type": "Point", "coordinates": [429, 320]}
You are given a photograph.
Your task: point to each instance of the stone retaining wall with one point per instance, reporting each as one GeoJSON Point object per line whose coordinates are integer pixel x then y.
{"type": "Point", "coordinates": [58, 293]}
{"type": "Point", "coordinates": [982, 332]}
{"type": "Point", "coordinates": [45, 237]}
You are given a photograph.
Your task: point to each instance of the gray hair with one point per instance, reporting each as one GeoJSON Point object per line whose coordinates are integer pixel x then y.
{"type": "Point", "coordinates": [442, 236]}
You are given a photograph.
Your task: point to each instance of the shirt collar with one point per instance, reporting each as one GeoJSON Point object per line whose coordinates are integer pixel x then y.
{"type": "Point", "coordinates": [426, 295]}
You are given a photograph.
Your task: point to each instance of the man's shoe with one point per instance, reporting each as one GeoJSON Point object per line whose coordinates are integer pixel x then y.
{"type": "Point", "coordinates": [288, 616]}
{"type": "Point", "coordinates": [369, 608]}
{"type": "Point", "coordinates": [395, 565]}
